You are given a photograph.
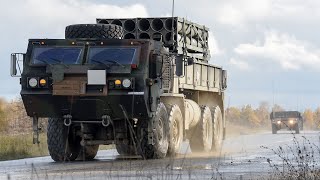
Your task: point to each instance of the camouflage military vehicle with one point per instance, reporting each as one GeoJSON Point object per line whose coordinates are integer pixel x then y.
{"type": "Point", "coordinates": [291, 120]}
{"type": "Point", "coordinates": [144, 84]}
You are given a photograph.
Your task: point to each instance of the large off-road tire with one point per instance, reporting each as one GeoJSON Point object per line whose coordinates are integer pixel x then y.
{"type": "Point", "coordinates": [201, 137]}
{"type": "Point", "coordinates": [297, 128]}
{"type": "Point", "coordinates": [124, 148]}
{"type": "Point", "coordinates": [95, 31]}
{"type": "Point", "coordinates": [88, 152]}
{"type": "Point", "coordinates": [61, 145]}
{"type": "Point", "coordinates": [175, 129]}
{"type": "Point", "coordinates": [160, 132]}
{"type": "Point", "coordinates": [274, 129]}
{"type": "Point", "coordinates": [217, 121]}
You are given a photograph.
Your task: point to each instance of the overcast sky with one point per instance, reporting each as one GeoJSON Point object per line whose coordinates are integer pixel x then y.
{"type": "Point", "coordinates": [271, 48]}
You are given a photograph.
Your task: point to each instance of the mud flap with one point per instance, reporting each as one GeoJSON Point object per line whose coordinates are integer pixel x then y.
{"type": "Point", "coordinates": [150, 131]}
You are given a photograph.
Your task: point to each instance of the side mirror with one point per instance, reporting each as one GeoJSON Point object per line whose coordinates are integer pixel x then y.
{"type": "Point", "coordinates": [13, 65]}
{"type": "Point", "coordinates": [179, 65]}
{"type": "Point", "coordinates": [16, 64]}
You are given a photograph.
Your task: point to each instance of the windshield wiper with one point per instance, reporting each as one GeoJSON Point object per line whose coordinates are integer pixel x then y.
{"type": "Point", "coordinates": [114, 62]}
{"type": "Point", "coordinates": [59, 61]}
{"type": "Point", "coordinates": [45, 62]}
{"type": "Point", "coordinates": [56, 60]}
{"type": "Point", "coordinates": [107, 65]}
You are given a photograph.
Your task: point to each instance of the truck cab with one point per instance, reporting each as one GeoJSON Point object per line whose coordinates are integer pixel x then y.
{"type": "Point", "coordinates": [109, 83]}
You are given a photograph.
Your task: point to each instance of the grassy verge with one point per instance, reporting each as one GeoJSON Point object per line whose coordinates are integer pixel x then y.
{"type": "Point", "coordinates": [20, 146]}
{"type": "Point", "coordinates": [234, 130]}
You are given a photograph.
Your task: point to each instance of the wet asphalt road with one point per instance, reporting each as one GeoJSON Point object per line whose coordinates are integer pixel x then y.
{"type": "Point", "coordinates": [242, 157]}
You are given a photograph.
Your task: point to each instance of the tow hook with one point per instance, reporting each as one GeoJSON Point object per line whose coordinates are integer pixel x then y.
{"type": "Point", "coordinates": [106, 120]}
{"type": "Point", "coordinates": [67, 120]}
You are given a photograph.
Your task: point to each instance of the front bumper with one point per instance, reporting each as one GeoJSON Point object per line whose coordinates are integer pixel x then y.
{"type": "Point", "coordinates": [85, 108]}
{"type": "Point", "coordinates": [285, 124]}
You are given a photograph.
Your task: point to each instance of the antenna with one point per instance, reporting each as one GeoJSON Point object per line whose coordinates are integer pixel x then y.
{"type": "Point", "coordinates": [172, 8]}
{"type": "Point", "coordinates": [272, 95]}
{"type": "Point", "coordinates": [172, 24]}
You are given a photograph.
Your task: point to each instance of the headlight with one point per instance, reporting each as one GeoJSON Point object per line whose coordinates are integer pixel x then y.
{"type": "Point", "coordinates": [279, 122]}
{"type": "Point", "coordinates": [33, 82]}
{"type": "Point", "coordinates": [126, 83]}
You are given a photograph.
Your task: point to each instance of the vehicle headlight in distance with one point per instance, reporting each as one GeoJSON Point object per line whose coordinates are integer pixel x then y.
{"type": "Point", "coordinates": [279, 122]}
{"type": "Point", "coordinates": [126, 83]}
{"type": "Point", "coordinates": [291, 121]}
{"type": "Point", "coordinates": [33, 82]}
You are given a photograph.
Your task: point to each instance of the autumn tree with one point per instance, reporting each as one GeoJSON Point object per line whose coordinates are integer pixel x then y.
{"type": "Point", "coordinates": [263, 112]}
{"type": "Point", "coordinates": [233, 114]}
{"type": "Point", "coordinates": [3, 115]}
{"type": "Point", "coordinates": [316, 118]}
{"type": "Point", "coordinates": [309, 119]}
{"type": "Point", "coordinates": [276, 108]}
{"type": "Point", "coordinates": [249, 116]}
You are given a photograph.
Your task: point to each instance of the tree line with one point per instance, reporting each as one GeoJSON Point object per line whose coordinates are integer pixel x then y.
{"type": "Point", "coordinates": [249, 116]}
{"type": "Point", "coordinates": [13, 118]}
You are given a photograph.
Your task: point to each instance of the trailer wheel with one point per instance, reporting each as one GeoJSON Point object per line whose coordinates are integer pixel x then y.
{"type": "Point", "coordinates": [175, 129]}
{"type": "Point", "coordinates": [88, 152]}
{"type": "Point", "coordinates": [274, 129]}
{"type": "Point", "coordinates": [95, 31]}
{"type": "Point", "coordinates": [217, 128]}
{"type": "Point", "coordinates": [124, 148]}
{"type": "Point", "coordinates": [201, 137]}
{"type": "Point", "coordinates": [160, 130]}
{"type": "Point", "coordinates": [61, 145]}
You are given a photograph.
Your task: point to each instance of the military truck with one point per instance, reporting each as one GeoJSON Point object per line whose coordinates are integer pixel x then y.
{"type": "Point", "coordinates": [291, 120]}
{"type": "Point", "coordinates": [143, 84]}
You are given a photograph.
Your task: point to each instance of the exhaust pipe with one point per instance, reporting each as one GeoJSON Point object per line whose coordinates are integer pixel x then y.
{"type": "Point", "coordinates": [144, 36]}
{"type": "Point", "coordinates": [144, 25]}
{"type": "Point", "coordinates": [117, 22]}
{"type": "Point", "coordinates": [157, 24]}
{"type": "Point", "coordinates": [129, 36]}
{"type": "Point", "coordinates": [129, 25]}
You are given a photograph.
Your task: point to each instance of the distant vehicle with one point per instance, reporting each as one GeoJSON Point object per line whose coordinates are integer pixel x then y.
{"type": "Point", "coordinates": [291, 120]}
{"type": "Point", "coordinates": [143, 84]}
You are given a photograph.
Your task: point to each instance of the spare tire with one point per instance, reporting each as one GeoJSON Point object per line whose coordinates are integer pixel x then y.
{"type": "Point", "coordinates": [94, 31]}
